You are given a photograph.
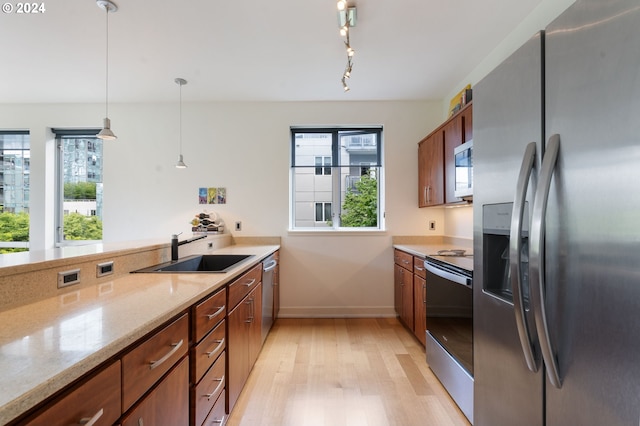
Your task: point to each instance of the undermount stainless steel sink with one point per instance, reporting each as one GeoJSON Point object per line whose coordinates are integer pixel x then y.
{"type": "Point", "coordinates": [205, 263]}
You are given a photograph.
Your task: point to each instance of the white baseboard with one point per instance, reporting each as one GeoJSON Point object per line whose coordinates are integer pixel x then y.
{"type": "Point", "coordinates": [336, 312]}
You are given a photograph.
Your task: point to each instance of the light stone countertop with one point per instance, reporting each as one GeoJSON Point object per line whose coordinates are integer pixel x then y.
{"type": "Point", "coordinates": [430, 247]}
{"type": "Point", "coordinates": [48, 344]}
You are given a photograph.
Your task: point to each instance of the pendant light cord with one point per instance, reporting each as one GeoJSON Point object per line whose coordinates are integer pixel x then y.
{"type": "Point", "coordinates": [107, 65]}
{"type": "Point", "coordinates": [180, 84]}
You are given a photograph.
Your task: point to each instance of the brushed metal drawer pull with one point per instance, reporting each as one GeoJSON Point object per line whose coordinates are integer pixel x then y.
{"type": "Point", "coordinates": [419, 268]}
{"type": "Point", "coordinates": [140, 422]}
{"type": "Point", "coordinates": [176, 346]}
{"type": "Point", "coordinates": [218, 422]}
{"type": "Point", "coordinates": [216, 313]}
{"type": "Point", "coordinates": [91, 420]}
{"type": "Point", "coordinates": [215, 391]}
{"type": "Point", "coordinates": [217, 348]}
{"type": "Point", "coordinates": [250, 283]}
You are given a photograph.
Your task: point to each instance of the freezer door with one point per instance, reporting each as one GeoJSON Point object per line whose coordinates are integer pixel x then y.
{"type": "Point", "coordinates": [593, 215]}
{"type": "Point", "coordinates": [507, 118]}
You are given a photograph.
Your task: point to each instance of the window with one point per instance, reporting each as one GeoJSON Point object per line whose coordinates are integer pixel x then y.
{"type": "Point", "coordinates": [323, 212]}
{"type": "Point", "coordinates": [336, 178]}
{"type": "Point", "coordinates": [14, 190]}
{"type": "Point", "coordinates": [79, 172]}
{"type": "Point", "coordinates": [323, 161]}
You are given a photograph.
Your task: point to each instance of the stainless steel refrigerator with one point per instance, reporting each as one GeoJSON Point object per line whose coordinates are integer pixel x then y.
{"type": "Point", "coordinates": [557, 225]}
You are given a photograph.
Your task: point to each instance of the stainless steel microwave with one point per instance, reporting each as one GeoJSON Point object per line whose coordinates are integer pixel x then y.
{"type": "Point", "coordinates": [463, 156]}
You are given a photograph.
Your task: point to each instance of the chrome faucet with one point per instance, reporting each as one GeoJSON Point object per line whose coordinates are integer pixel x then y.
{"type": "Point", "coordinates": [175, 243]}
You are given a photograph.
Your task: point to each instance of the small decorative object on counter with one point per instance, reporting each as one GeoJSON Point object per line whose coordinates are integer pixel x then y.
{"type": "Point", "coordinates": [207, 222]}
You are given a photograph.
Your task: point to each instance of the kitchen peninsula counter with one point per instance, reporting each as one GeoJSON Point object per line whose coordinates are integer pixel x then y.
{"type": "Point", "coordinates": [47, 344]}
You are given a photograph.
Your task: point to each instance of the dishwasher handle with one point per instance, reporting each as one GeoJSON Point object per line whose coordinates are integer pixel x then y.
{"type": "Point", "coordinates": [269, 265]}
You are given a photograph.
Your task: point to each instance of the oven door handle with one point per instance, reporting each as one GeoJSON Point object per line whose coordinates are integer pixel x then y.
{"type": "Point", "coordinates": [458, 279]}
{"type": "Point", "coordinates": [515, 255]}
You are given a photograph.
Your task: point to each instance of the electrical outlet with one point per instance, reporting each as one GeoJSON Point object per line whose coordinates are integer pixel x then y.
{"type": "Point", "coordinates": [238, 226]}
{"type": "Point", "coordinates": [105, 268]}
{"type": "Point", "coordinates": [68, 278]}
{"type": "Point", "coordinates": [432, 225]}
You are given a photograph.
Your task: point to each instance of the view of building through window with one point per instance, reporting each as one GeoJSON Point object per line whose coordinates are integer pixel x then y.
{"type": "Point", "coordinates": [80, 173]}
{"type": "Point", "coordinates": [14, 191]}
{"type": "Point", "coordinates": [336, 167]}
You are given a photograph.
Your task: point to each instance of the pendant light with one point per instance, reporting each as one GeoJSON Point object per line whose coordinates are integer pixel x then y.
{"type": "Point", "coordinates": [106, 133]}
{"type": "Point", "coordinates": [180, 164]}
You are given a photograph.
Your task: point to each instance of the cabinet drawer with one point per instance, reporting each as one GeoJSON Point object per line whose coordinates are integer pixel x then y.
{"type": "Point", "coordinates": [97, 399]}
{"type": "Point", "coordinates": [418, 267]}
{"type": "Point", "coordinates": [206, 393]}
{"type": "Point", "coordinates": [145, 364]}
{"type": "Point", "coordinates": [206, 352]}
{"type": "Point", "coordinates": [167, 404]}
{"type": "Point", "coordinates": [243, 285]}
{"type": "Point", "coordinates": [208, 313]}
{"type": "Point", "coordinates": [217, 416]}
{"type": "Point", "coordinates": [403, 259]}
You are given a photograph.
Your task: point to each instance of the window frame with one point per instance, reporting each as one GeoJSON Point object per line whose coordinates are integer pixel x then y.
{"type": "Point", "coordinates": [337, 191]}
{"type": "Point", "coordinates": [60, 134]}
{"type": "Point", "coordinates": [23, 186]}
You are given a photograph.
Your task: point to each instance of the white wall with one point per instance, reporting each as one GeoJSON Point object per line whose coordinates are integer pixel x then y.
{"type": "Point", "coordinates": [245, 148]}
{"type": "Point", "coordinates": [537, 20]}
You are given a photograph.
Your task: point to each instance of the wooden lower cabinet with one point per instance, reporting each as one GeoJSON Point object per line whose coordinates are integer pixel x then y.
{"type": "Point", "coordinates": [410, 292]}
{"type": "Point", "coordinates": [97, 399]}
{"type": "Point", "coordinates": [244, 342]}
{"type": "Point", "coordinates": [403, 287]}
{"type": "Point", "coordinates": [188, 372]}
{"type": "Point", "coordinates": [167, 404]}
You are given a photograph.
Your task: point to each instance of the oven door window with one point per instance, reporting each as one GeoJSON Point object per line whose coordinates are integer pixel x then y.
{"type": "Point", "coordinates": [450, 318]}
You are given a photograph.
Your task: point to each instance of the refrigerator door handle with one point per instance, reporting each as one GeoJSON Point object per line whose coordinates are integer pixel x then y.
{"type": "Point", "coordinates": [536, 258]}
{"type": "Point", "coordinates": [515, 255]}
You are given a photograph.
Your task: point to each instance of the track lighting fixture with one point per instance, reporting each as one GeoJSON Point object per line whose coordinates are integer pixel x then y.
{"type": "Point", "coordinates": [106, 133]}
{"type": "Point", "coordinates": [180, 164]}
{"type": "Point", "coordinates": [346, 20]}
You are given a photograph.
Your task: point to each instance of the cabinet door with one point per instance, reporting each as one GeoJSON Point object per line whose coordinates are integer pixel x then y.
{"type": "Point", "coordinates": [430, 170]}
{"type": "Point", "coordinates": [255, 327]}
{"type": "Point", "coordinates": [167, 404]}
{"type": "Point", "coordinates": [407, 299]}
{"type": "Point", "coordinates": [420, 308]}
{"type": "Point", "coordinates": [397, 288]}
{"type": "Point", "coordinates": [403, 295]}
{"type": "Point", "coordinates": [467, 123]}
{"type": "Point", "coordinates": [237, 350]}
{"type": "Point", "coordinates": [452, 139]}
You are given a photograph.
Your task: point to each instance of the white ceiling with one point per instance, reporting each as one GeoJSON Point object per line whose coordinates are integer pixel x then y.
{"type": "Point", "coordinates": [247, 50]}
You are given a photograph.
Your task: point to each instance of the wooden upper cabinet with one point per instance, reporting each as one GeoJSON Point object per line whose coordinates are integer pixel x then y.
{"type": "Point", "coordinates": [430, 170]}
{"type": "Point", "coordinates": [467, 123]}
{"type": "Point", "coordinates": [436, 164]}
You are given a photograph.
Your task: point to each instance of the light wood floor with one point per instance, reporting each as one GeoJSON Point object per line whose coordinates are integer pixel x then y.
{"type": "Point", "coordinates": [339, 372]}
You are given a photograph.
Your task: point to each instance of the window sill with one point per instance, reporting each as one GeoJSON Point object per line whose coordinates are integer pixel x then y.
{"type": "Point", "coordinates": [337, 232]}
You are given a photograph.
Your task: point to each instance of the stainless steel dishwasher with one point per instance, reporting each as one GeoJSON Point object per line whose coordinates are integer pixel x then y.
{"type": "Point", "coordinates": [268, 266]}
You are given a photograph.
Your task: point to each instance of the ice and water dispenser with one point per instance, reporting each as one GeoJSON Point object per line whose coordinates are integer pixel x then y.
{"type": "Point", "coordinates": [496, 226]}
